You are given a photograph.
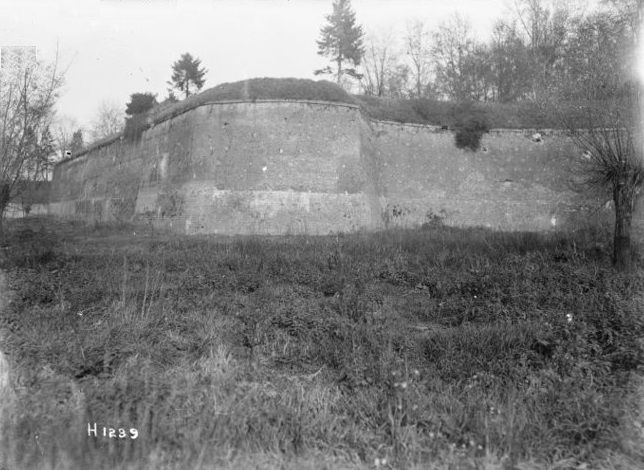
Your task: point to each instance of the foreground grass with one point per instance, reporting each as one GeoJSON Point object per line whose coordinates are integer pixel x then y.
{"type": "Point", "coordinates": [438, 348]}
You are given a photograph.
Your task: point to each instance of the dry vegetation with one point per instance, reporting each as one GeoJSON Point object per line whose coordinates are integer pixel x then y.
{"type": "Point", "coordinates": [434, 348]}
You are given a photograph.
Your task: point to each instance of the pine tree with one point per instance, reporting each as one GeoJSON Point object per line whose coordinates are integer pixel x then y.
{"type": "Point", "coordinates": [77, 143]}
{"type": "Point", "coordinates": [341, 41]}
{"type": "Point", "coordinates": [187, 73]}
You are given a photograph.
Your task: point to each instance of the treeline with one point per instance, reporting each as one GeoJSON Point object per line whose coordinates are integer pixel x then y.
{"type": "Point", "coordinates": [540, 49]}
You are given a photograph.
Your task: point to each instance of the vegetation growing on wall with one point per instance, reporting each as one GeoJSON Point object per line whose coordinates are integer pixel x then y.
{"type": "Point", "coordinates": [135, 126]}
{"type": "Point", "coordinates": [138, 111]}
{"type": "Point", "coordinates": [524, 115]}
{"type": "Point", "coordinates": [470, 127]}
{"type": "Point", "coordinates": [262, 88]}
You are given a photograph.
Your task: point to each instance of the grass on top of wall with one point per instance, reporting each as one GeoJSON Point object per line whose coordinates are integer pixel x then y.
{"type": "Point", "coordinates": [521, 115]}
{"type": "Point", "coordinates": [435, 348]}
{"type": "Point", "coordinates": [261, 88]}
{"type": "Point", "coordinates": [421, 111]}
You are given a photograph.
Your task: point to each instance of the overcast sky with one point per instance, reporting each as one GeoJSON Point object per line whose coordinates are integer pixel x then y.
{"type": "Point", "coordinates": [112, 48]}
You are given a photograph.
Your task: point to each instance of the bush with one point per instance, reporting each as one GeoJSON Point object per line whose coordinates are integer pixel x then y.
{"type": "Point", "coordinates": [134, 127]}
{"type": "Point", "coordinates": [469, 132]}
{"type": "Point", "coordinates": [140, 103]}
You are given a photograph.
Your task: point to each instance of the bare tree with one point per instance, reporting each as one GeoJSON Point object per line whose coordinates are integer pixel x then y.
{"type": "Point", "coordinates": [546, 26]}
{"type": "Point", "coordinates": [462, 65]}
{"type": "Point", "coordinates": [418, 43]}
{"type": "Point", "coordinates": [63, 128]}
{"type": "Point", "coordinates": [613, 160]}
{"type": "Point", "coordinates": [608, 124]}
{"type": "Point", "coordinates": [109, 120]}
{"type": "Point", "coordinates": [509, 63]}
{"type": "Point", "coordinates": [385, 74]}
{"type": "Point", "coordinates": [375, 64]}
{"type": "Point", "coordinates": [28, 91]}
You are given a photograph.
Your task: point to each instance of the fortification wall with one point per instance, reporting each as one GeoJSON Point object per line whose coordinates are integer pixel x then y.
{"type": "Point", "coordinates": [262, 167]}
{"type": "Point", "coordinates": [276, 167]}
{"type": "Point", "coordinates": [512, 183]}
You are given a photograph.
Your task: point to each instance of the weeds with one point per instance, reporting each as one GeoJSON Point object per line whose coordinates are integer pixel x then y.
{"type": "Point", "coordinates": [401, 349]}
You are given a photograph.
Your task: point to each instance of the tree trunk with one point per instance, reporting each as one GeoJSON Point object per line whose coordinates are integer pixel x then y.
{"type": "Point", "coordinates": [624, 198]}
{"type": "Point", "coordinates": [340, 70]}
{"type": "Point", "coordinates": [5, 192]}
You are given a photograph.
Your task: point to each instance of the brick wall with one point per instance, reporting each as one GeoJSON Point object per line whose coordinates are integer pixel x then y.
{"type": "Point", "coordinates": [280, 167]}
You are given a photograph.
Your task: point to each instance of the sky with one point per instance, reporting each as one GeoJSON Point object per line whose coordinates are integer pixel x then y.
{"type": "Point", "coordinates": [110, 49]}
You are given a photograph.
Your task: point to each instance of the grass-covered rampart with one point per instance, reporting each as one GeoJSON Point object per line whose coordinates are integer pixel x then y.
{"type": "Point", "coordinates": [437, 348]}
{"type": "Point", "coordinates": [519, 115]}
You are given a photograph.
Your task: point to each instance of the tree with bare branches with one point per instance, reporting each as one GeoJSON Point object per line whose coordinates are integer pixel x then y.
{"type": "Point", "coordinates": [613, 160]}
{"type": "Point", "coordinates": [418, 43]}
{"type": "Point", "coordinates": [109, 120]}
{"type": "Point", "coordinates": [606, 122]}
{"type": "Point", "coordinates": [28, 92]}
{"type": "Point", "coordinates": [384, 71]}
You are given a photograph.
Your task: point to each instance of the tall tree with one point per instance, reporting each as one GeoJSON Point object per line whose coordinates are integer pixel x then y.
{"type": "Point", "coordinates": [606, 121]}
{"type": "Point", "coordinates": [63, 128]}
{"type": "Point", "coordinates": [462, 65]}
{"type": "Point", "coordinates": [613, 160]}
{"type": "Point", "coordinates": [77, 143]}
{"type": "Point", "coordinates": [509, 64]}
{"type": "Point", "coordinates": [546, 29]}
{"type": "Point", "coordinates": [28, 92]}
{"type": "Point", "coordinates": [380, 64]}
{"type": "Point", "coordinates": [341, 41]}
{"type": "Point", "coordinates": [187, 75]}
{"type": "Point", "coordinates": [398, 81]}
{"type": "Point", "coordinates": [109, 120]}
{"type": "Point", "coordinates": [418, 45]}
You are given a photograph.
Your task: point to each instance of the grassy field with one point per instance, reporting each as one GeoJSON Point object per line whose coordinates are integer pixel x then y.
{"type": "Point", "coordinates": [434, 348]}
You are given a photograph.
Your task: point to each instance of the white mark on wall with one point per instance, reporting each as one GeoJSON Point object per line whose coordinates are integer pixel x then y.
{"type": "Point", "coordinates": [305, 201]}
{"type": "Point", "coordinates": [553, 221]}
{"type": "Point", "coordinates": [264, 169]}
{"type": "Point", "coordinates": [163, 168]}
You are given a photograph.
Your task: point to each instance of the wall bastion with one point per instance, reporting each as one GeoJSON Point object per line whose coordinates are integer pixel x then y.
{"type": "Point", "coordinates": [310, 167]}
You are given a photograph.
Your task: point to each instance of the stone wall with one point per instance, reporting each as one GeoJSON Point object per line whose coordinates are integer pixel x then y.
{"type": "Point", "coordinates": [277, 167]}
{"type": "Point", "coordinates": [511, 183]}
{"type": "Point", "coordinates": [243, 167]}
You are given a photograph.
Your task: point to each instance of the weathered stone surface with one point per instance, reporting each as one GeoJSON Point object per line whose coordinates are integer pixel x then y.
{"type": "Point", "coordinates": [310, 167]}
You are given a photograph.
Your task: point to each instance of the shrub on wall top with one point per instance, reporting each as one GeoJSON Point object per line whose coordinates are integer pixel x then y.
{"type": "Point", "coordinates": [469, 133]}
{"type": "Point", "coordinates": [471, 124]}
